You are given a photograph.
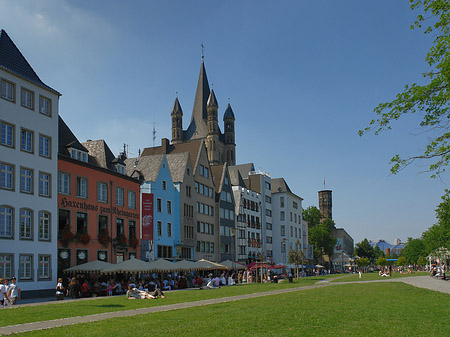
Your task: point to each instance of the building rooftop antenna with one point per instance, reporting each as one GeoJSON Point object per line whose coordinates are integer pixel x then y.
{"type": "Point", "coordinates": [154, 133]}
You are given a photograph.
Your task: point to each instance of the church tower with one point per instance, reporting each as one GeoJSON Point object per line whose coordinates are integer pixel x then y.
{"type": "Point", "coordinates": [230, 145]}
{"type": "Point", "coordinates": [212, 139]}
{"type": "Point", "coordinates": [177, 122]}
{"type": "Point", "coordinates": [325, 204]}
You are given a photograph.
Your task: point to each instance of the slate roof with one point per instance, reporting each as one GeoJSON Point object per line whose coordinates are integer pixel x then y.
{"type": "Point", "coordinates": [235, 176]}
{"type": "Point", "coordinates": [228, 113]}
{"type": "Point", "coordinates": [244, 169]}
{"type": "Point", "coordinates": [218, 173]}
{"type": "Point", "coordinates": [147, 167]}
{"type": "Point", "coordinates": [100, 154]}
{"type": "Point", "coordinates": [212, 100]}
{"type": "Point", "coordinates": [12, 60]}
{"type": "Point", "coordinates": [192, 146]}
{"type": "Point", "coordinates": [176, 107]}
{"type": "Point", "coordinates": [67, 139]}
{"type": "Point", "coordinates": [279, 185]}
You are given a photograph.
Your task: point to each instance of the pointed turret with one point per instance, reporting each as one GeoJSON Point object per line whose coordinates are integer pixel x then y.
{"type": "Point", "coordinates": [230, 145]}
{"type": "Point", "coordinates": [177, 122]}
{"type": "Point", "coordinates": [212, 107]}
{"type": "Point", "coordinates": [198, 128]}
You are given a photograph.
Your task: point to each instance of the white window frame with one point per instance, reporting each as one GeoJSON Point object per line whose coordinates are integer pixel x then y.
{"type": "Point", "coordinates": [45, 182]}
{"type": "Point", "coordinates": [44, 226]}
{"type": "Point", "coordinates": [120, 196]}
{"type": "Point", "coordinates": [7, 134]}
{"type": "Point", "coordinates": [26, 224]}
{"type": "Point", "coordinates": [6, 266]}
{"type": "Point", "coordinates": [7, 176]}
{"type": "Point", "coordinates": [26, 267]}
{"type": "Point", "coordinates": [44, 267]}
{"type": "Point", "coordinates": [102, 192]}
{"type": "Point", "coordinates": [131, 200]}
{"type": "Point", "coordinates": [45, 106]}
{"type": "Point", "coordinates": [26, 140]}
{"type": "Point", "coordinates": [45, 146]}
{"type": "Point", "coordinates": [8, 90]}
{"type": "Point", "coordinates": [82, 187]}
{"type": "Point", "coordinates": [6, 222]}
{"type": "Point", "coordinates": [27, 98]}
{"type": "Point", "coordinates": [64, 183]}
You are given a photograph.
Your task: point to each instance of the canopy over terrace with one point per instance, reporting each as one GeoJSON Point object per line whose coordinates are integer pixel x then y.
{"type": "Point", "coordinates": [208, 265]}
{"type": "Point", "coordinates": [184, 265]}
{"type": "Point", "coordinates": [92, 266]}
{"type": "Point", "coordinates": [162, 266]}
{"type": "Point", "coordinates": [128, 266]}
{"type": "Point", "coordinates": [232, 265]}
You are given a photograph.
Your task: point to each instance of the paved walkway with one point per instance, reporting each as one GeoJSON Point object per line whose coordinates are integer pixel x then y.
{"type": "Point", "coordinates": [418, 281]}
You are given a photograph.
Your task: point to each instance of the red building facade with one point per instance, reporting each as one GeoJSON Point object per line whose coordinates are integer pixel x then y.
{"type": "Point", "coordinates": [98, 204]}
{"type": "Point", "coordinates": [98, 215]}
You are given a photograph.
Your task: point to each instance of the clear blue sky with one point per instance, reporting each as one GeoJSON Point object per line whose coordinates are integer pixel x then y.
{"type": "Point", "coordinates": [302, 77]}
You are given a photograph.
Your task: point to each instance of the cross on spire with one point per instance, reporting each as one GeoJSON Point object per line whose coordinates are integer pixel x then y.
{"type": "Point", "coordinates": [203, 55]}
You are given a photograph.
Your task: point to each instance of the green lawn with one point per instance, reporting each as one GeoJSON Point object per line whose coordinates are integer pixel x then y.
{"type": "Point", "coordinates": [374, 276]}
{"type": "Point", "coordinates": [375, 309]}
{"type": "Point", "coordinates": [57, 310]}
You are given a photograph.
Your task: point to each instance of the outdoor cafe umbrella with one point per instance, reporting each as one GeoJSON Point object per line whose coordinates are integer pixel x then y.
{"type": "Point", "coordinates": [185, 265]}
{"type": "Point", "coordinates": [132, 265]}
{"type": "Point", "coordinates": [208, 265]}
{"type": "Point", "coordinates": [93, 266]}
{"type": "Point", "coordinates": [232, 265]}
{"type": "Point", "coordinates": [162, 266]}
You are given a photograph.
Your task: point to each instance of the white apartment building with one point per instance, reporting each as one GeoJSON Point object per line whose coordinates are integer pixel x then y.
{"type": "Point", "coordinates": [288, 225]}
{"type": "Point", "coordinates": [28, 184]}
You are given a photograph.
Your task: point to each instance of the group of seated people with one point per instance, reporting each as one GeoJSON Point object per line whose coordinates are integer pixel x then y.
{"type": "Point", "coordinates": [77, 288]}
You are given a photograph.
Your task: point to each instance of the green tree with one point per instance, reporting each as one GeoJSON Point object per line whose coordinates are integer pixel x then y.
{"type": "Point", "coordinates": [295, 256]}
{"type": "Point", "coordinates": [381, 261]}
{"type": "Point", "coordinates": [430, 100]}
{"type": "Point", "coordinates": [364, 249]}
{"type": "Point", "coordinates": [401, 261]}
{"type": "Point", "coordinates": [438, 235]}
{"type": "Point", "coordinates": [362, 262]}
{"type": "Point", "coordinates": [377, 252]}
{"type": "Point", "coordinates": [422, 261]}
{"type": "Point", "coordinates": [312, 215]}
{"type": "Point", "coordinates": [414, 249]}
{"type": "Point", "coordinates": [320, 238]}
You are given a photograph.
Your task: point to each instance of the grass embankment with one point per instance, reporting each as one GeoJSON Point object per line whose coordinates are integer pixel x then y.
{"type": "Point", "coordinates": [375, 309]}
{"type": "Point", "coordinates": [55, 310]}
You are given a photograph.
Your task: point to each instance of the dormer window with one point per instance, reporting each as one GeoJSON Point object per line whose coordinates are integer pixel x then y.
{"type": "Point", "coordinates": [120, 168]}
{"type": "Point", "coordinates": [78, 155]}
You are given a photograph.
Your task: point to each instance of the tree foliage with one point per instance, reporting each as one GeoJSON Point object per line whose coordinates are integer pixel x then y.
{"type": "Point", "coordinates": [438, 235]}
{"type": "Point", "coordinates": [401, 261]}
{"type": "Point", "coordinates": [320, 237]}
{"type": "Point", "coordinates": [312, 215]}
{"type": "Point", "coordinates": [364, 249]}
{"type": "Point", "coordinates": [381, 261]}
{"type": "Point", "coordinates": [430, 100]}
{"type": "Point", "coordinates": [414, 249]}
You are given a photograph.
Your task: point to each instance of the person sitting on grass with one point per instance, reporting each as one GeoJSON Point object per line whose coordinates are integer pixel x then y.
{"type": "Point", "coordinates": [134, 293]}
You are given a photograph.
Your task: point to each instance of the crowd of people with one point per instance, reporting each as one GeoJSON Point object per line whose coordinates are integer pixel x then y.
{"type": "Point", "coordinates": [9, 292]}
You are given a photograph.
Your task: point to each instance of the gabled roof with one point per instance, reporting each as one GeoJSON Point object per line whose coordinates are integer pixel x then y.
{"type": "Point", "coordinates": [176, 107]}
{"type": "Point", "coordinates": [12, 60]}
{"type": "Point", "coordinates": [66, 139]}
{"type": "Point", "coordinates": [244, 169]}
{"type": "Point", "coordinates": [148, 166]}
{"type": "Point", "coordinates": [212, 100]}
{"type": "Point", "coordinates": [280, 185]}
{"type": "Point", "coordinates": [177, 165]}
{"type": "Point", "coordinates": [236, 177]}
{"type": "Point", "coordinates": [100, 154]}
{"type": "Point", "coordinates": [218, 173]}
{"type": "Point", "coordinates": [192, 146]}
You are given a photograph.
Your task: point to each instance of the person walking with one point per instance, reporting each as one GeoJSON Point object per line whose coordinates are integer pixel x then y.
{"type": "Point", "coordinates": [3, 292]}
{"type": "Point", "coordinates": [13, 292]}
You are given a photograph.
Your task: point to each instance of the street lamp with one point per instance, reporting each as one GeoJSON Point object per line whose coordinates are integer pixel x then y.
{"type": "Point", "coordinates": [284, 254]}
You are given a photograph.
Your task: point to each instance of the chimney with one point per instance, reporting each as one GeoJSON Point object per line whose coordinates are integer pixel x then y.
{"type": "Point", "coordinates": [165, 145]}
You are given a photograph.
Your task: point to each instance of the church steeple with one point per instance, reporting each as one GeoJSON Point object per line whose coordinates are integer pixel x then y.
{"type": "Point", "coordinates": [230, 145]}
{"type": "Point", "coordinates": [177, 122]}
